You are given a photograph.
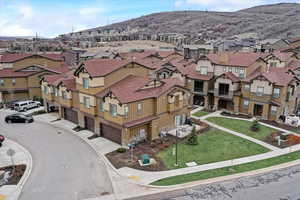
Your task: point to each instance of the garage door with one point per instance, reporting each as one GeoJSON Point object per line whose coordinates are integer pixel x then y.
{"type": "Point", "coordinates": [71, 115]}
{"type": "Point", "coordinates": [111, 133]}
{"type": "Point", "coordinates": [89, 123]}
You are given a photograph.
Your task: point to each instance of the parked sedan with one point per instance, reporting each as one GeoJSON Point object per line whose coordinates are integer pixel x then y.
{"type": "Point", "coordinates": [18, 118]}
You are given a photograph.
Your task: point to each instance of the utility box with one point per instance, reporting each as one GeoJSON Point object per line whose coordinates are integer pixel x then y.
{"type": "Point", "coordinates": [145, 159]}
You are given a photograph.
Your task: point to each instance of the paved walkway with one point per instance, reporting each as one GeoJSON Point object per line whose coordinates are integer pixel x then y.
{"type": "Point", "coordinates": [128, 182]}
{"type": "Point", "coordinates": [22, 156]}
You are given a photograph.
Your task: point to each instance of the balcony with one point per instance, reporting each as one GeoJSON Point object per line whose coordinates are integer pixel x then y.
{"type": "Point", "coordinates": [224, 94]}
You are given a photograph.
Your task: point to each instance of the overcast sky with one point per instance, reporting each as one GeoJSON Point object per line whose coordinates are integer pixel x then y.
{"type": "Point", "coordinates": [50, 18]}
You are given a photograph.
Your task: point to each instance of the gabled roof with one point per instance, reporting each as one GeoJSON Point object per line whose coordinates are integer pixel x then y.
{"type": "Point", "coordinates": [130, 89]}
{"type": "Point", "coordinates": [10, 58]}
{"type": "Point", "coordinates": [282, 56]}
{"type": "Point", "coordinates": [236, 59]}
{"type": "Point", "coordinates": [277, 76]}
{"type": "Point", "coordinates": [10, 73]}
{"type": "Point", "coordinates": [231, 76]}
{"type": "Point", "coordinates": [190, 72]}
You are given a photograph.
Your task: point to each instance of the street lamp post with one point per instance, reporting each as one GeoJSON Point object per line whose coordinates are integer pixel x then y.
{"type": "Point", "coordinates": [176, 151]}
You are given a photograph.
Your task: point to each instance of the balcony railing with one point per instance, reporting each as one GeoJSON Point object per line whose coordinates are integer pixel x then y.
{"type": "Point", "coordinates": [223, 94]}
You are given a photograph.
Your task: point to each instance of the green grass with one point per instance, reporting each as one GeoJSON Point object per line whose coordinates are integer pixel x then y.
{"type": "Point", "coordinates": [228, 170]}
{"type": "Point", "coordinates": [242, 126]}
{"type": "Point", "coordinates": [214, 145]}
{"type": "Point", "coordinates": [200, 114]}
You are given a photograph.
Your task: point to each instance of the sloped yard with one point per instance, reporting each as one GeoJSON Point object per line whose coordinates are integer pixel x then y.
{"type": "Point", "coordinates": [242, 126]}
{"type": "Point", "coordinates": [214, 145]}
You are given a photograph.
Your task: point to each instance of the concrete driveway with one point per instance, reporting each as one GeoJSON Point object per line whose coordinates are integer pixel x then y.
{"type": "Point", "coordinates": [64, 166]}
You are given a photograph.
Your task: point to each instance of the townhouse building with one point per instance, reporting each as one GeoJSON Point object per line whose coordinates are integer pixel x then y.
{"type": "Point", "coordinates": [123, 100]}
{"type": "Point", "coordinates": [256, 84]}
{"type": "Point", "coordinates": [20, 74]}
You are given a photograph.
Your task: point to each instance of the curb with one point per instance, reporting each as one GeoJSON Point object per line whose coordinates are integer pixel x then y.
{"type": "Point", "coordinates": [27, 172]}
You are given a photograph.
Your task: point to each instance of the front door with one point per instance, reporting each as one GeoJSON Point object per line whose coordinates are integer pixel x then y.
{"type": "Point", "coordinates": [258, 110]}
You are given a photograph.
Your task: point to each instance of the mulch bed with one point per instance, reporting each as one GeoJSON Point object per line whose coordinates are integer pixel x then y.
{"type": "Point", "coordinates": [152, 148]}
{"type": "Point", "coordinates": [279, 125]}
{"type": "Point", "coordinates": [291, 140]}
{"type": "Point", "coordinates": [18, 173]}
{"type": "Point", "coordinates": [236, 115]}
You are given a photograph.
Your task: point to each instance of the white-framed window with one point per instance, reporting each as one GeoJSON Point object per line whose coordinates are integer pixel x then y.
{"type": "Point", "coordinates": [259, 91]}
{"type": "Point", "coordinates": [242, 73]}
{"type": "Point", "coordinates": [273, 64]}
{"type": "Point", "coordinates": [229, 69]}
{"type": "Point", "coordinates": [85, 82]}
{"type": "Point", "coordinates": [237, 70]}
{"type": "Point", "coordinates": [203, 70]}
{"type": "Point", "coordinates": [1, 82]}
{"type": "Point", "coordinates": [246, 103]}
{"type": "Point", "coordinates": [13, 81]}
{"type": "Point", "coordinates": [86, 102]}
{"type": "Point", "coordinates": [56, 92]}
{"type": "Point", "coordinates": [46, 89]}
{"type": "Point", "coordinates": [126, 111]}
{"type": "Point", "coordinates": [247, 87]}
{"type": "Point", "coordinates": [273, 110]}
{"type": "Point", "coordinates": [139, 108]}
{"type": "Point", "coordinates": [224, 69]}
{"type": "Point", "coordinates": [276, 92]}
{"type": "Point", "coordinates": [113, 109]}
{"type": "Point", "coordinates": [64, 95]}
{"type": "Point", "coordinates": [101, 107]}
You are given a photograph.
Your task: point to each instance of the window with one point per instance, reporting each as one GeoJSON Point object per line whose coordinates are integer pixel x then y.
{"type": "Point", "coordinates": [13, 81]}
{"type": "Point", "coordinates": [45, 89]}
{"type": "Point", "coordinates": [242, 73]}
{"type": "Point", "coordinates": [64, 94]}
{"type": "Point", "coordinates": [113, 109]}
{"type": "Point", "coordinates": [224, 69]}
{"type": "Point", "coordinates": [273, 64]}
{"type": "Point", "coordinates": [101, 107]}
{"type": "Point", "coordinates": [246, 103]}
{"type": "Point", "coordinates": [85, 83]}
{"type": "Point", "coordinates": [1, 82]}
{"type": "Point", "coordinates": [229, 69]}
{"type": "Point", "coordinates": [86, 102]}
{"type": "Point", "coordinates": [276, 93]}
{"type": "Point", "coordinates": [247, 87]}
{"type": "Point", "coordinates": [203, 70]}
{"type": "Point", "coordinates": [139, 108]}
{"type": "Point", "coordinates": [56, 92]}
{"type": "Point", "coordinates": [273, 110]}
{"type": "Point", "coordinates": [259, 91]}
{"type": "Point", "coordinates": [126, 111]}
{"type": "Point", "coordinates": [236, 70]}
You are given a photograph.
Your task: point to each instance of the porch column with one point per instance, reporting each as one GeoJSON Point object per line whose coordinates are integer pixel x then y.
{"type": "Point", "coordinates": [266, 109]}
{"type": "Point", "coordinates": [81, 119]}
{"type": "Point", "coordinates": [60, 111]}
{"type": "Point", "coordinates": [216, 103]}
{"type": "Point", "coordinates": [206, 102]}
{"type": "Point", "coordinates": [236, 102]}
{"type": "Point", "coordinates": [97, 125]}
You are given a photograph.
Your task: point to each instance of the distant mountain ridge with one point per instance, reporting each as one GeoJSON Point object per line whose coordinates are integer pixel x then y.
{"type": "Point", "coordinates": [268, 21]}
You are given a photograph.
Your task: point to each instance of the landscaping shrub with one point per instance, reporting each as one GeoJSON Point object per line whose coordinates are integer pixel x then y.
{"type": "Point", "coordinates": [255, 126]}
{"type": "Point", "coordinates": [192, 139]}
{"type": "Point", "coordinates": [121, 150]}
{"type": "Point", "coordinates": [40, 112]}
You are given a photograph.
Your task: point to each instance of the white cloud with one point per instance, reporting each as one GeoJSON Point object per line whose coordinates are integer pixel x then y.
{"type": "Point", "coordinates": [90, 11]}
{"type": "Point", "coordinates": [26, 11]}
{"type": "Point", "coordinates": [15, 30]}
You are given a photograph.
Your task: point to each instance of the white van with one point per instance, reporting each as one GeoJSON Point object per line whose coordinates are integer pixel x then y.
{"type": "Point", "coordinates": [26, 105]}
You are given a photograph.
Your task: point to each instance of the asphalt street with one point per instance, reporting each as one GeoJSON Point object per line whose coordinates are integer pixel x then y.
{"type": "Point", "coordinates": [64, 166]}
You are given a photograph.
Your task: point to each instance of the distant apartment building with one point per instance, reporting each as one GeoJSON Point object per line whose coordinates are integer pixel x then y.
{"type": "Point", "coordinates": [20, 74]}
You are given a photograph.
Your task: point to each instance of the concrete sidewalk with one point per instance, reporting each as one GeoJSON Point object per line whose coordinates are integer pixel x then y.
{"type": "Point", "coordinates": [22, 156]}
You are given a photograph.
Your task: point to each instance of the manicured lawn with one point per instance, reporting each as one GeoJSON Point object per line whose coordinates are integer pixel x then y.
{"type": "Point", "coordinates": [228, 170]}
{"type": "Point", "coordinates": [214, 145]}
{"type": "Point", "coordinates": [242, 126]}
{"type": "Point", "coordinates": [200, 114]}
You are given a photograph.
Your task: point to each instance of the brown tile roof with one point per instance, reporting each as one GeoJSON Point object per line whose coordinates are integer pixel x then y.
{"type": "Point", "coordinates": [294, 64]}
{"type": "Point", "coordinates": [190, 71]}
{"type": "Point", "coordinates": [9, 73]}
{"type": "Point", "coordinates": [10, 58]}
{"type": "Point", "coordinates": [70, 84]}
{"type": "Point", "coordinates": [58, 78]}
{"type": "Point", "coordinates": [101, 67]}
{"type": "Point", "coordinates": [281, 55]}
{"type": "Point", "coordinates": [239, 59]}
{"type": "Point", "coordinates": [232, 77]}
{"type": "Point", "coordinates": [139, 121]}
{"type": "Point", "coordinates": [277, 76]}
{"type": "Point", "coordinates": [129, 89]}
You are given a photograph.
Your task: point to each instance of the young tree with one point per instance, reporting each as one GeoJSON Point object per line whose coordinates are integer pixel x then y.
{"type": "Point", "coordinates": [193, 140]}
